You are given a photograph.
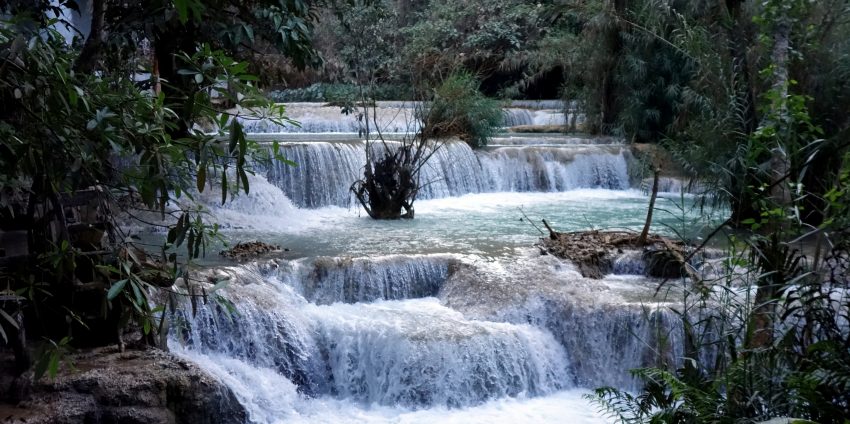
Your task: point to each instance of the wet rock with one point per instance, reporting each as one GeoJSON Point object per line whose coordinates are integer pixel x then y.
{"type": "Point", "coordinates": [249, 250]}
{"type": "Point", "coordinates": [661, 263]}
{"type": "Point", "coordinates": [594, 252]}
{"type": "Point", "coordinates": [141, 387]}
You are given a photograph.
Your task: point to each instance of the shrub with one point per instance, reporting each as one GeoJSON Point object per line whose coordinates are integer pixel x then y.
{"type": "Point", "coordinates": [459, 109]}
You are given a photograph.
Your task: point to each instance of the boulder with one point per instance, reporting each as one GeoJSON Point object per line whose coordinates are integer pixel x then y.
{"type": "Point", "coordinates": [135, 387]}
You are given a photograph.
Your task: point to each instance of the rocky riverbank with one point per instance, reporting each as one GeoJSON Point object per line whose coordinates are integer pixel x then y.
{"type": "Point", "coordinates": [138, 386]}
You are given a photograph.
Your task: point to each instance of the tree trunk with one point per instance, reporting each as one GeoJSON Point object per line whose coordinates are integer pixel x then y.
{"type": "Point", "coordinates": [609, 86]}
{"type": "Point", "coordinates": [175, 38]}
{"type": "Point", "coordinates": [772, 257]}
{"type": "Point", "coordinates": [779, 161]}
{"type": "Point", "coordinates": [89, 55]}
{"type": "Point", "coordinates": [742, 204]}
{"type": "Point", "coordinates": [739, 41]}
{"type": "Point", "coordinates": [645, 233]}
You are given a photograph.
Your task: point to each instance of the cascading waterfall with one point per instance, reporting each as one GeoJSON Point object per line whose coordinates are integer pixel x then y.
{"type": "Point", "coordinates": [294, 339]}
{"type": "Point", "coordinates": [605, 333]}
{"type": "Point", "coordinates": [319, 118]}
{"type": "Point", "coordinates": [394, 333]}
{"type": "Point", "coordinates": [324, 173]}
{"type": "Point", "coordinates": [553, 169]}
{"type": "Point", "coordinates": [606, 342]}
{"type": "Point", "coordinates": [269, 330]}
{"type": "Point", "coordinates": [515, 117]}
{"type": "Point", "coordinates": [391, 117]}
{"type": "Point", "coordinates": [329, 280]}
{"type": "Point", "coordinates": [419, 354]}
{"type": "Point", "coordinates": [412, 352]}
{"type": "Point", "coordinates": [326, 170]}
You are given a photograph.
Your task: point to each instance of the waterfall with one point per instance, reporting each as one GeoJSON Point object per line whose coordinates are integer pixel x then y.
{"type": "Point", "coordinates": [329, 280]}
{"type": "Point", "coordinates": [438, 318]}
{"type": "Point", "coordinates": [324, 173]}
{"type": "Point", "coordinates": [458, 333]}
{"type": "Point", "coordinates": [605, 332]}
{"type": "Point", "coordinates": [515, 117]}
{"type": "Point", "coordinates": [605, 342]}
{"type": "Point", "coordinates": [269, 330]}
{"type": "Point", "coordinates": [552, 169]}
{"type": "Point", "coordinates": [326, 170]}
{"type": "Point", "coordinates": [539, 104]}
{"type": "Point", "coordinates": [391, 117]}
{"type": "Point", "coordinates": [419, 353]}
{"type": "Point", "coordinates": [410, 352]}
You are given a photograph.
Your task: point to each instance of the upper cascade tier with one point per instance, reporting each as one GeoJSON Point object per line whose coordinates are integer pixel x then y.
{"type": "Point", "coordinates": [326, 170]}
{"type": "Point", "coordinates": [391, 117]}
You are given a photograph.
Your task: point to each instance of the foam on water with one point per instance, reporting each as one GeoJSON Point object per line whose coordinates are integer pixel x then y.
{"type": "Point", "coordinates": [419, 353]}
{"type": "Point", "coordinates": [271, 399]}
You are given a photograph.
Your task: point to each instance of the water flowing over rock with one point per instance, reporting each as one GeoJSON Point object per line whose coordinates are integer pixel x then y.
{"type": "Point", "coordinates": [391, 117]}
{"type": "Point", "coordinates": [416, 353]}
{"type": "Point", "coordinates": [329, 280]}
{"type": "Point", "coordinates": [423, 354]}
{"type": "Point", "coordinates": [326, 170]}
{"type": "Point", "coordinates": [437, 315]}
{"type": "Point", "coordinates": [605, 332]}
{"type": "Point", "coordinates": [515, 117]}
{"type": "Point", "coordinates": [269, 331]}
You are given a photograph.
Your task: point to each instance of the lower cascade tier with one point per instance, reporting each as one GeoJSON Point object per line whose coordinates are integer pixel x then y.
{"type": "Point", "coordinates": [414, 352]}
{"type": "Point", "coordinates": [418, 333]}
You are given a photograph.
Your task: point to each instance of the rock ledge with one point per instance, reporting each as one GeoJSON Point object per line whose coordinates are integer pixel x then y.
{"type": "Point", "coordinates": [148, 386]}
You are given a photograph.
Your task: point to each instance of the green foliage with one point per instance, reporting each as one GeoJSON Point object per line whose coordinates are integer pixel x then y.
{"type": "Point", "coordinates": [338, 93]}
{"type": "Point", "coordinates": [765, 342]}
{"type": "Point", "coordinates": [459, 109]}
{"type": "Point", "coordinates": [135, 143]}
{"type": "Point", "coordinates": [51, 356]}
{"type": "Point", "coordinates": [450, 36]}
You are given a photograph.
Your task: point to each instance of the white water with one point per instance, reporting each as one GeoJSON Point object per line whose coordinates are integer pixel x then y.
{"type": "Point", "coordinates": [451, 317]}
{"type": "Point", "coordinates": [519, 116]}
{"type": "Point", "coordinates": [270, 398]}
{"type": "Point", "coordinates": [319, 118]}
{"type": "Point", "coordinates": [483, 346]}
{"type": "Point", "coordinates": [326, 170]}
{"type": "Point", "coordinates": [391, 117]}
{"type": "Point", "coordinates": [287, 358]}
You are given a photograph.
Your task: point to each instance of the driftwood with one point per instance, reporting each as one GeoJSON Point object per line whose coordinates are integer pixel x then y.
{"type": "Point", "coordinates": [593, 252]}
